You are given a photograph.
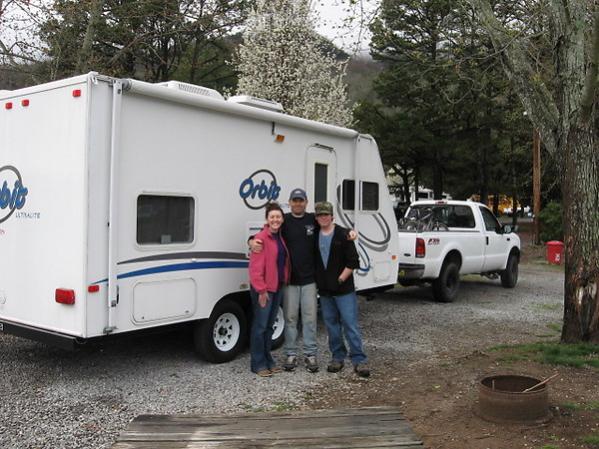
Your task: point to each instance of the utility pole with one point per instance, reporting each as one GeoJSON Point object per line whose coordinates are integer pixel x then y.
{"type": "Point", "coordinates": [536, 185]}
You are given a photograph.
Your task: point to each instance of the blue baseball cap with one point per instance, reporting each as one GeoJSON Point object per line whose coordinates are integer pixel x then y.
{"type": "Point", "coordinates": [298, 194]}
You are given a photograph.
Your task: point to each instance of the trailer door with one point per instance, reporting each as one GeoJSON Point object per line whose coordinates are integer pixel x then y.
{"type": "Point", "coordinates": [321, 175]}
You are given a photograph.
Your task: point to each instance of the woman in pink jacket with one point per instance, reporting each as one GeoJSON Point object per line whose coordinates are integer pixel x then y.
{"type": "Point", "coordinates": [269, 271]}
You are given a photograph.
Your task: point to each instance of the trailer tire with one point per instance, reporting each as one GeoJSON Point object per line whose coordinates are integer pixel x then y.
{"type": "Point", "coordinates": [221, 337]}
{"type": "Point", "coordinates": [446, 286]}
{"type": "Point", "coordinates": [278, 336]}
{"type": "Point", "coordinates": [509, 276]}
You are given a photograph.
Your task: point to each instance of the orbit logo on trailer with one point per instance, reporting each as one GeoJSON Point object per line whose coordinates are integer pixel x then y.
{"type": "Point", "coordinates": [13, 194]}
{"type": "Point", "coordinates": [259, 188]}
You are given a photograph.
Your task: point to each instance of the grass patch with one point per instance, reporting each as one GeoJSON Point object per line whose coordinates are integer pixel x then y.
{"type": "Point", "coordinates": [571, 406]}
{"type": "Point", "coordinates": [576, 355]}
{"type": "Point", "coordinates": [543, 307]}
{"type": "Point", "coordinates": [555, 327]}
{"type": "Point", "coordinates": [591, 439]}
{"type": "Point", "coordinates": [282, 407]}
{"type": "Point", "coordinates": [592, 406]}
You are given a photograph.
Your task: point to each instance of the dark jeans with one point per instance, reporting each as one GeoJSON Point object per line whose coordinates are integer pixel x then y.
{"type": "Point", "coordinates": [340, 315]}
{"type": "Point", "coordinates": [261, 333]}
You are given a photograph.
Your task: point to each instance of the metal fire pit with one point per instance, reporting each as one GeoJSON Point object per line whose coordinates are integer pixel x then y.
{"type": "Point", "coordinates": [501, 399]}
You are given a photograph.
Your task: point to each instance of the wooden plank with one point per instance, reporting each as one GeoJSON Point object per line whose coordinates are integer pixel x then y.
{"type": "Point", "coordinates": [369, 427]}
{"type": "Point", "coordinates": [363, 442]}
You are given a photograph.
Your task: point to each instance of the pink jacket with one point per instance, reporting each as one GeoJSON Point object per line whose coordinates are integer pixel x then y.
{"type": "Point", "coordinates": [264, 274]}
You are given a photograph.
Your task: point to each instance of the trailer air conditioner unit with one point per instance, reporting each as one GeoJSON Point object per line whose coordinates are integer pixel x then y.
{"type": "Point", "coordinates": [192, 89]}
{"type": "Point", "coordinates": [261, 103]}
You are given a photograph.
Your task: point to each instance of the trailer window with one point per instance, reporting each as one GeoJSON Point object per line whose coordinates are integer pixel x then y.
{"type": "Point", "coordinates": [320, 182]}
{"type": "Point", "coordinates": [163, 220]}
{"type": "Point", "coordinates": [348, 194]}
{"type": "Point", "coordinates": [370, 196]}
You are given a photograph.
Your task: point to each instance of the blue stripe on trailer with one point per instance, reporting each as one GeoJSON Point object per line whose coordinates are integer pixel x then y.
{"type": "Point", "coordinates": [179, 267]}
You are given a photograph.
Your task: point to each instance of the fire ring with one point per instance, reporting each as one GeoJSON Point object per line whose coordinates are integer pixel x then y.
{"type": "Point", "coordinates": [502, 399]}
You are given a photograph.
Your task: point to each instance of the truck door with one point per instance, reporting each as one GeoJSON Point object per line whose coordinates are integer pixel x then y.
{"type": "Point", "coordinates": [495, 242]}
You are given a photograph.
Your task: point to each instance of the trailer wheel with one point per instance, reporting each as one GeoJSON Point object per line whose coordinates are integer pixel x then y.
{"type": "Point", "coordinates": [446, 286]}
{"type": "Point", "coordinates": [278, 336]}
{"type": "Point", "coordinates": [509, 276]}
{"type": "Point", "coordinates": [221, 337]}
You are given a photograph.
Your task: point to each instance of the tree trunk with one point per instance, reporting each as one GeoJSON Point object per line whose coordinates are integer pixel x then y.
{"type": "Point", "coordinates": [84, 62]}
{"type": "Point", "coordinates": [437, 177]}
{"type": "Point", "coordinates": [580, 189]}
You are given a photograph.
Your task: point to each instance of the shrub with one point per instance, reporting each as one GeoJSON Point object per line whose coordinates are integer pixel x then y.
{"type": "Point", "coordinates": [550, 219]}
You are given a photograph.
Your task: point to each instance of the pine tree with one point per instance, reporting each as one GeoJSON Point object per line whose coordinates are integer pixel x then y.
{"type": "Point", "coordinates": [282, 59]}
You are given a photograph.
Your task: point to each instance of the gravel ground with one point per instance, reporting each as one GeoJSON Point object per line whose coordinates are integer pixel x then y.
{"type": "Point", "coordinates": [56, 399]}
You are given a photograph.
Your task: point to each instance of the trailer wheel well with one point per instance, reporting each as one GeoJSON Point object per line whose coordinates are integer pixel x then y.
{"type": "Point", "coordinates": [241, 298]}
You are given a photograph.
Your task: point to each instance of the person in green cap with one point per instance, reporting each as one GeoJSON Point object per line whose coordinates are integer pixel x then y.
{"type": "Point", "coordinates": [337, 260]}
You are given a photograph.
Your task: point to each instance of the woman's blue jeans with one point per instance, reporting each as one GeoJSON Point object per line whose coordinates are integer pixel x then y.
{"type": "Point", "coordinates": [261, 332]}
{"type": "Point", "coordinates": [340, 315]}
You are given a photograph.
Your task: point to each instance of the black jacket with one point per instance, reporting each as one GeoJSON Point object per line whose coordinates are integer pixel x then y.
{"type": "Point", "coordinates": [343, 254]}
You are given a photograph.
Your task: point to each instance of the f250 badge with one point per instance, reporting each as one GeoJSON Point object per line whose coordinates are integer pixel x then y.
{"type": "Point", "coordinates": [13, 194]}
{"type": "Point", "coordinates": [433, 241]}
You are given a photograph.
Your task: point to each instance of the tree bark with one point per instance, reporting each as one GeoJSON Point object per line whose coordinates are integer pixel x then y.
{"type": "Point", "coordinates": [580, 185]}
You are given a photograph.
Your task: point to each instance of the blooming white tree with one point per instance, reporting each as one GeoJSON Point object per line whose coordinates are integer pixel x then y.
{"type": "Point", "coordinates": [282, 59]}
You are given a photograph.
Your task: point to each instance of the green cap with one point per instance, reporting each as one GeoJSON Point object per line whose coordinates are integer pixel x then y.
{"type": "Point", "coordinates": [323, 208]}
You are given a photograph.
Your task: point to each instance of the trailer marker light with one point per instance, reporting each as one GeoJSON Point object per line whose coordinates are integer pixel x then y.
{"type": "Point", "coordinates": [95, 288]}
{"type": "Point", "coordinates": [65, 296]}
{"type": "Point", "coordinates": [393, 257]}
{"type": "Point", "coordinates": [76, 93]}
{"type": "Point", "coordinates": [420, 248]}
{"type": "Point", "coordinates": [25, 102]}
{"type": "Point", "coordinates": [279, 138]}
{"type": "Point", "coordinates": [8, 105]}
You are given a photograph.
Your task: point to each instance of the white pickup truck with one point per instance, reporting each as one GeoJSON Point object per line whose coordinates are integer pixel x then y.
{"type": "Point", "coordinates": [441, 240]}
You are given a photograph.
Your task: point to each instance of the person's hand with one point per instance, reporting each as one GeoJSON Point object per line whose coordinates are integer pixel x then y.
{"type": "Point", "coordinates": [256, 245]}
{"type": "Point", "coordinates": [262, 299]}
{"type": "Point", "coordinates": [352, 235]}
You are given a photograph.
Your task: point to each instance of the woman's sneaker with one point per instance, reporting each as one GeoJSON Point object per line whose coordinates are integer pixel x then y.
{"type": "Point", "coordinates": [311, 363]}
{"type": "Point", "coordinates": [290, 363]}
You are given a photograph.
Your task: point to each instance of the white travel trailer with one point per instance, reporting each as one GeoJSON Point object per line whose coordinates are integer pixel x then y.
{"type": "Point", "coordinates": [126, 206]}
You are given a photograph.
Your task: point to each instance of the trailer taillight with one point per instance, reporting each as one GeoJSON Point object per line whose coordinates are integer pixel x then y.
{"type": "Point", "coordinates": [64, 296]}
{"type": "Point", "coordinates": [420, 248]}
{"type": "Point", "coordinates": [76, 93]}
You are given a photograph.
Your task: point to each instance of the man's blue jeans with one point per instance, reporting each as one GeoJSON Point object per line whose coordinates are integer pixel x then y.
{"type": "Point", "coordinates": [261, 333]}
{"type": "Point", "coordinates": [340, 315]}
{"type": "Point", "coordinates": [296, 299]}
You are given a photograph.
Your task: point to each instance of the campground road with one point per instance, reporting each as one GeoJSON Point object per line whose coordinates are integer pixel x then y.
{"type": "Point", "coordinates": [56, 399]}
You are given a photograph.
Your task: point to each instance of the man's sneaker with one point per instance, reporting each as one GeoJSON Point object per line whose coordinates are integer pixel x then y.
{"type": "Point", "coordinates": [290, 363]}
{"type": "Point", "coordinates": [311, 363]}
{"type": "Point", "coordinates": [335, 366]}
{"type": "Point", "coordinates": [362, 370]}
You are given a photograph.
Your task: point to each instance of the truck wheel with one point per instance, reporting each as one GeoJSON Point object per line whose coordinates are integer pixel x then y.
{"type": "Point", "coordinates": [221, 337]}
{"type": "Point", "coordinates": [445, 287]}
{"type": "Point", "coordinates": [278, 336]}
{"type": "Point", "coordinates": [509, 276]}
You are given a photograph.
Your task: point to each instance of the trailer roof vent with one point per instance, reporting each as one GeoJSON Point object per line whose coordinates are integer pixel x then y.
{"type": "Point", "coordinates": [261, 103]}
{"type": "Point", "coordinates": [192, 89]}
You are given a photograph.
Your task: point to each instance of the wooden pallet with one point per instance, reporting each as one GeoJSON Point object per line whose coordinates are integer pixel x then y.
{"type": "Point", "coordinates": [370, 427]}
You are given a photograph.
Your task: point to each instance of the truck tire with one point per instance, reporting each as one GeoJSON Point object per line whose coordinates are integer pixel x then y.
{"type": "Point", "coordinates": [446, 286]}
{"type": "Point", "coordinates": [509, 276]}
{"type": "Point", "coordinates": [221, 337]}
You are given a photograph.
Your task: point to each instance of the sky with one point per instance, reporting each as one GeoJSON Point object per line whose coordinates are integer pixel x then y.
{"type": "Point", "coordinates": [334, 16]}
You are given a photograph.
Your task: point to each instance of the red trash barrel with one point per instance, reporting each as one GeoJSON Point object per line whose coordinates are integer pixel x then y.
{"type": "Point", "coordinates": [555, 252]}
